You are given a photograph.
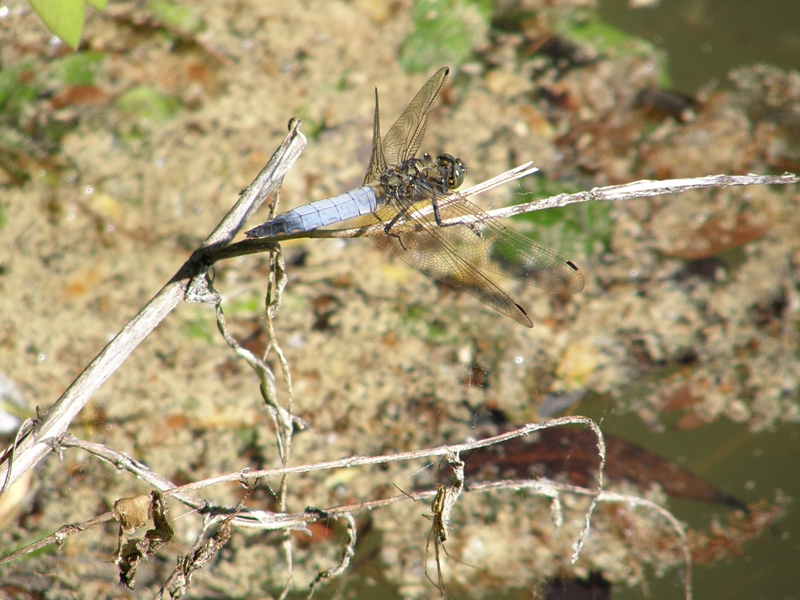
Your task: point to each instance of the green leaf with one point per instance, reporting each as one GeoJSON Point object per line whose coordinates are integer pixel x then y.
{"type": "Point", "coordinates": [97, 4]}
{"type": "Point", "coordinates": [78, 68]}
{"type": "Point", "coordinates": [605, 36]}
{"type": "Point", "coordinates": [445, 32]}
{"type": "Point", "coordinates": [62, 17]}
{"type": "Point", "coordinates": [176, 16]}
{"type": "Point", "coordinates": [148, 103]}
{"type": "Point", "coordinates": [18, 87]}
{"type": "Point", "coordinates": [245, 306]}
{"type": "Point", "coordinates": [197, 330]}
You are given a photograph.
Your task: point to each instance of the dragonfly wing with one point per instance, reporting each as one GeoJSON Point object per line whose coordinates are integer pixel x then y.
{"type": "Point", "coordinates": [377, 162]}
{"type": "Point", "coordinates": [487, 244]}
{"type": "Point", "coordinates": [431, 252]}
{"type": "Point", "coordinates": [404, 138]}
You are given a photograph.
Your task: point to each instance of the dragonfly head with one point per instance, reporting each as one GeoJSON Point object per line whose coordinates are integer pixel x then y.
{"type": "Point", "coordinates": [455, 169]}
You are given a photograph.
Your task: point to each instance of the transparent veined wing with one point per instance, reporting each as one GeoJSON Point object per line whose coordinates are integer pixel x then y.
{"type": "Point", "coordinates": [405, 136]}
{"type": "Point", "coordinates": [468, 242]}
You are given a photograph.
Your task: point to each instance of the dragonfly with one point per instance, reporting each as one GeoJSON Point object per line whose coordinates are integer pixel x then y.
{"type": "Point", "coordinates": [427, 223]}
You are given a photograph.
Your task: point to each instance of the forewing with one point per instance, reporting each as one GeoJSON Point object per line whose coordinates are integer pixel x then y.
{"type": "Point", "coordinates": [377, 162]}
{"type": "Point", "coordinates": [404, 138]}
{"type": "Point", "coordinates": [431, 252]}
{"type": "Point", "coordinates": [487, 244]}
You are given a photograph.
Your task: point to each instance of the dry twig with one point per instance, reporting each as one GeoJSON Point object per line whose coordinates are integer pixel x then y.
{"type": "Point", "coordinates": [29, 450]}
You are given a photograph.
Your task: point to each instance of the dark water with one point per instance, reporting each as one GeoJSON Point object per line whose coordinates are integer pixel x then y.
{"type": "Point", "coordinates": [749, 467]}
{"type": "Point", "coordinates": [707, 38]}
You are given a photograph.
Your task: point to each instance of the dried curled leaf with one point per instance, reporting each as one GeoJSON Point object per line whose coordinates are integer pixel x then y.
{"type": "Point", "coordinates": [132, 513]}
{"type": "Point", "coordinates": [131, 555]}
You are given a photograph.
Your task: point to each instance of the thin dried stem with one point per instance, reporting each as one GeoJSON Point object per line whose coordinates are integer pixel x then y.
{"type": "Point", "coordinates": [553, 490]}
{"type": "Point", "coordinates": [348, 552]}
{"type": "Point", "coordinates": [243, 516]}
{"type": "Point", "coordinates": [58, 537]}
{"type": "Point", "coordinates": [254, 518]}
{"type": "Point", "coordinates": [358, 461]}
{"type": "Point", "coordinates": [638, 189]}
{"type": "Point", "coordinates": [284, 428]}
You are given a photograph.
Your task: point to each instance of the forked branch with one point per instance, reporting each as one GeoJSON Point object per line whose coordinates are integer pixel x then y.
{"type": "Point", "coordinates": [29, 449]}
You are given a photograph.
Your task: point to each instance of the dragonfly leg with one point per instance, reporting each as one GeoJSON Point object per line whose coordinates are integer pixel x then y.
{"type": "Point", "coordinates": [438, 217]}
{"type": "Point", "coordinates": [387, 228]}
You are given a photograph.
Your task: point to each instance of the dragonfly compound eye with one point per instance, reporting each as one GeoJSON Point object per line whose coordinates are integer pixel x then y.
{"type": "Point", "coordinates": [459, 172]}
{"type": "Point", "coordinates": [455, 169]}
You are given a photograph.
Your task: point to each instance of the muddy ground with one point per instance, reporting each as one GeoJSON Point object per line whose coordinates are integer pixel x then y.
{"type": "Point", "coordinates": [113, 176]}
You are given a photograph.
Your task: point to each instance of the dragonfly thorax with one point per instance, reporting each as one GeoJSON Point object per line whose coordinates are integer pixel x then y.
{"type": "Point", "coordinates": [418, 178]}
